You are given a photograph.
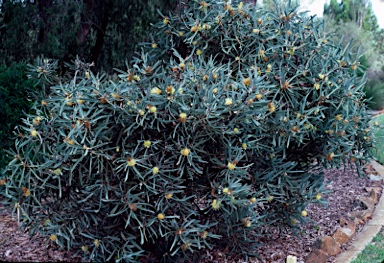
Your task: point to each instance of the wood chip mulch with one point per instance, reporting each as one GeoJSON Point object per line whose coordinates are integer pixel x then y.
{"type": "Point", "coordinates": [17, 246]}
{"type": "Point", "coordinates": [344, 188]}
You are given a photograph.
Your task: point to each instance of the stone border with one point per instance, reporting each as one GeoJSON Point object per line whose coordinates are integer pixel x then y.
{"type": "Point", "coordinates": [370, 230]}
{"type": "Point", "coordinates": [371, 214]}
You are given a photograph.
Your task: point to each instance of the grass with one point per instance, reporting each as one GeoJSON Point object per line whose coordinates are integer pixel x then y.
{"type": "Point", "coordinates": [374, 252]}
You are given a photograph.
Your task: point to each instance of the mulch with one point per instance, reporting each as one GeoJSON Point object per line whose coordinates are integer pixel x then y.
{"type": "Point", "coordinates": [17, 246]}
{"type": "Point", "coordinates": [344, 187]}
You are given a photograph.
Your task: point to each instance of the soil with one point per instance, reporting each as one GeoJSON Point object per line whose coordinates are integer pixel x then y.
{"type": "Point", "coordinates": [17, 246]}
{"type": "Point", "coordinates": [344, 187]}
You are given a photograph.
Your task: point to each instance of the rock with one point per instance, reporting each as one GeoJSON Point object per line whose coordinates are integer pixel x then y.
{"type": "Point", "coordinates": [374, 196]}
{"type": "Point", "coordinates": [358, 221]}
{"type": "Point", "coordinates": [359, 205]}
{"type": "Point", "coordinates": [374, 177]}
{"type": "Point", "coordinates": [364, 203]}
{"type": "Point", "coordinates": [354, 214]}
{"type": "Point", "coordinates": [341, 236]}
{"type": "Point", "coordinates": [368, 202]}
{"type": "Point", "coordinates": [367, 214]}
{"type": "Point", "coordinates": [359, 217]}
{"type": "Point", "coordinates": [376, 189]}
{"type": "Point", "coordinates": [370, 170]}
{"type": "Point", "coordinates": [343, 221]}
{"type": "Point", "coordinates": [329, 246]}
{"type": "Point", "coordinates": [344, 234]}
{"type": "Point", "coordinates": [317, 256]}
{"type": "Point", "coordinates": [368, 166]}
{"type": "Point", "coordinates": [377, 183]}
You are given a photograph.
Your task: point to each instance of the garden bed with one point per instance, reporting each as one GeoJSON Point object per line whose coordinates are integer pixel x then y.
{"type": "Point", "coordinates": [344, 188]}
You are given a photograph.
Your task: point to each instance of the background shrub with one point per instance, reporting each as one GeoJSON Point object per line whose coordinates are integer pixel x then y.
{"type": "Point", "coordinates": [218, 129]}
{"type": "Point", "coordinates": [374, 90]}
{"type": "Point", "coordinates": [105, 32]}
{"type": "Point", "coordinates": [14, 90]}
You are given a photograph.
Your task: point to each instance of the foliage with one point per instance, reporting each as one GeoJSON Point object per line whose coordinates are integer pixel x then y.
{"type": "Point", "coordinates": [358, 12]}
{"type": "Point", "coordinates": [217, 129]}
{"type": "Point", "coordinates": [361, 40]}
{"type": "Point", "coordinates": [274, 5]}
{"type": "Point", "coordinates": [378, 134]}
{"type": "Point", "coordinates": [14, 90]}
{"type": "Point", "coordinates": [374, 90]}
{"type": "Point", "coordinates": [355, 20]}
{"type": "Point", "coordinates": [104, 32]}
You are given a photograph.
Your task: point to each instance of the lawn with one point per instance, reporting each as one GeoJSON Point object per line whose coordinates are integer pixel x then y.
{"type": "Point", "coordinates": [374, 252]}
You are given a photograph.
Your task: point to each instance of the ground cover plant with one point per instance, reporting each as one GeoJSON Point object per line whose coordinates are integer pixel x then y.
{"type": "Point", "coordinates": [217, 129]}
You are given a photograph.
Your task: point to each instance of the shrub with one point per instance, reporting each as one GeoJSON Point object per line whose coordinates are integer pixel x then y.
{"type": "Point", "coordinates": [14, 96]}
{"type": "Point", "coordinates": [217, 130]}
{"type": "Point", "coordinates": [374, 91]}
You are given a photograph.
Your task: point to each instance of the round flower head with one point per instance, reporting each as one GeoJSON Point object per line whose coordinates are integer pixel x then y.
{"type": "Point", "coordinates": [228, 101]}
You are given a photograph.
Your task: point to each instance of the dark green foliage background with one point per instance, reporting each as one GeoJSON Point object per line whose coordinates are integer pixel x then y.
{"type": "Point", "coordinates": [374, 89]}
{"type": "Point", "coordinates": [105, 32]}
{"type": "Point", "coordinates": [14, 103]}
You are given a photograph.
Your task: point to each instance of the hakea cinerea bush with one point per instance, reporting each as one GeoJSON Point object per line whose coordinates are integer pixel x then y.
{"type": "Point", "coordinates": [217, 129]}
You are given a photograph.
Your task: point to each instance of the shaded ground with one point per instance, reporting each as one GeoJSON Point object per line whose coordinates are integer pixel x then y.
{"type": "Point", "coordinates": [345, 187]}
{"type": "Point", "coordinates": [16, 246]}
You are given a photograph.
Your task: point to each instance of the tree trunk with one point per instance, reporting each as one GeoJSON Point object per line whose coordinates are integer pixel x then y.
{"type": "Point", "coordinates": [85, 21]}
{"type": "Point", "coordinates": [95, 52]}
{"type": "Point", "coordinates": [361, 16]}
